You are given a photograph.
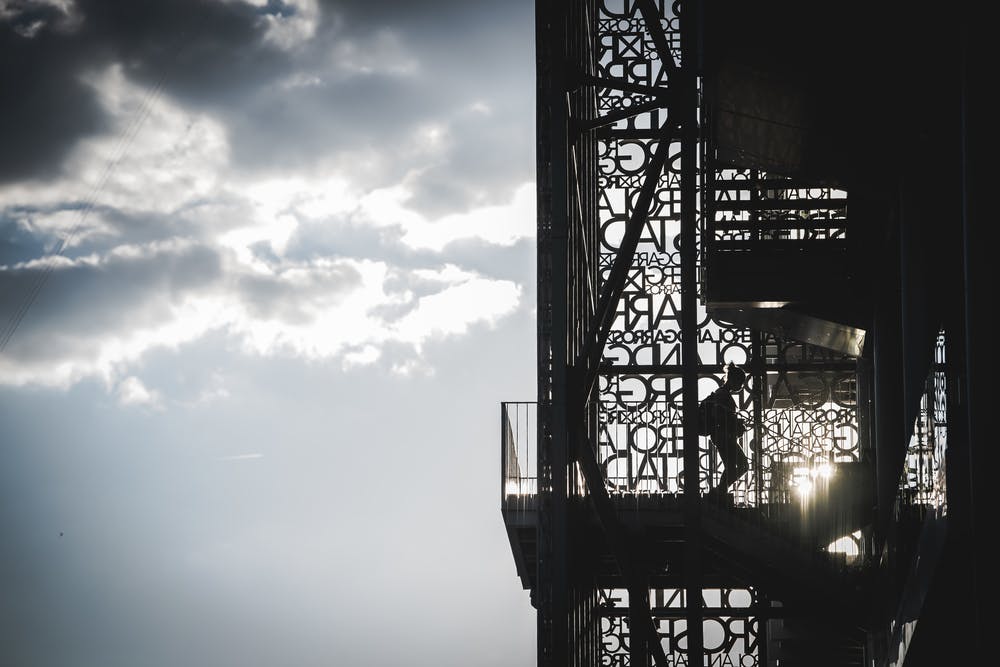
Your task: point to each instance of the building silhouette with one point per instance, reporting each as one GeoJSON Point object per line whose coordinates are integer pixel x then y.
{"type": "Point", "coordinates": [793, 189]}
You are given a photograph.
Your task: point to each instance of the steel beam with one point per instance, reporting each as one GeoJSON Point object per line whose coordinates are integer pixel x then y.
{"type": "Point", "coordinates": [651, 15]}
{"type": "Point", "coordinates": [617, 115]}
{"type": "Point", "coordinates": [611, 292]}
{"type": "Point", "coordinates": [623, 85]}
{"type": "Point", "coordinates": [622, 546]}
{"type": "Point", "coordinates": [688, 98]}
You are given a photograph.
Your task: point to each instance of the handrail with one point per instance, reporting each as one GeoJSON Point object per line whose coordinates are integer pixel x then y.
{"type": "Point", "coordinates": [518, 454]}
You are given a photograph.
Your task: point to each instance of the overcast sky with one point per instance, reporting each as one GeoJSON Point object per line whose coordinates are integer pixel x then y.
{"type": "Point", "coordinates": [275, 262]}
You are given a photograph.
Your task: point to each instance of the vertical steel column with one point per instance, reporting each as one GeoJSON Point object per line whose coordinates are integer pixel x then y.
{"type": "Point", "coordinates": [887, 360]}
{"type": "Point", "coordinates": [758, 370]}
{"type": "Point", "coordinates": [688, 98]}
{"type": "Point", "coordinates": [978, 270]}
{"type": "Point", "coordinates": [638, 618]}
{"type": "Point", "coordinates": [552, 587]}
{"type": "Point", "coordinates": [560, 281]}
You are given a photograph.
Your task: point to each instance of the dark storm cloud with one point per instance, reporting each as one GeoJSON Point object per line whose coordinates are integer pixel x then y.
{"type": "Point", "coordinates": [365, 86]}
{"type": "Point", "coordinates": [469, 52]}
{"type": "Point", "coordinates": [21, 240]}
{"type": "Point", "coordinates": [420, 63]}
{"type": "Point", "coordinates": [197, 49]}
{"type": "Point", "coordinates": [283, 130]}
{"type": "Point", "coordinates": [458, 54]}
{"type": "Point", "coordinates": [45, 107]}
{"type": "Point", "coordinates": [87, 300]}
{"type": "Point", "coordinates": [491, 153]}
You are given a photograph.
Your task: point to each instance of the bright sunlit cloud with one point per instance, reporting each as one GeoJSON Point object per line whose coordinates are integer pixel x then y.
{"type": "Point", "coordinates": [174, 167]}
{"type": "Point", "coordinates": [131, 391]}
{"type": "Point", "coordinates": [501, 224]}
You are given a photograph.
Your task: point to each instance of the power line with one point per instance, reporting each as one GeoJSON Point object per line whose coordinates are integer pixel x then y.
{"type": "Point", "coordinates": [121, 150]}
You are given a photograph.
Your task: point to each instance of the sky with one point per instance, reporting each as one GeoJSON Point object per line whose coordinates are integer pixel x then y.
{"type": "Point", "coordinates": [266, 274]}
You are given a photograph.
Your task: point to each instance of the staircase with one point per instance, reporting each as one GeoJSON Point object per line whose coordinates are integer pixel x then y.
{"type": "Point", "coordinates": [779, 256]}
{"type": "Point", "coordinates": [809, 643]}
{"type": "Point", "coordinates": [807, 578]}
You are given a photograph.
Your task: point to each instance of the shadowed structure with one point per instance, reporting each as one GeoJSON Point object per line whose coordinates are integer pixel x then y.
{"type": "Point", "coordinates": [791, 190]}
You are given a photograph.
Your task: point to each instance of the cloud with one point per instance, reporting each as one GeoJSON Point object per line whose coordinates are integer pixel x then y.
{"type": "Point", "coordinates": [98, 313]}
{"type": "Point", "coordinates": [286, 200]}
{"type": "Point", "coordinates": [103, 313]}
{"type": "Point", "coordinates": [373, 89]}
{"type": "Point", "coordinates": [225, 292]}
{"type": "Point", "coordinates": [293, 24]}
{"type": "Point", "coordinates": [157, 158]}
{"type": "Point", "coordinates": [364, 356]}
{"type": "Point", "coordinates": [382, 53]}
{"type": "Point", "coordinates": [132, 392]}
{"type": "Point", "coordinates": [502, 224]}
{"type": "Point", "coordinates": [453, 310]}
{"type": "Point", "coordinates": [28, 18]}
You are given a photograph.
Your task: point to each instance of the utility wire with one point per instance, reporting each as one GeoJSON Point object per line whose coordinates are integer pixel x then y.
{"type": "Point", "coordinates": [121, 150]}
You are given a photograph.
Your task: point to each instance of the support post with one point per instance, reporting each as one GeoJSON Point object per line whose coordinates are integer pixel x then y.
{"type": "Point", "coordinates": [552, 594]}
{"type": "Point", "coordinates": [688, 97]}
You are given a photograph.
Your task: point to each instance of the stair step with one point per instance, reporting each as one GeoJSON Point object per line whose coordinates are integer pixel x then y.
{"type": "Point", "coordinates": [777, 225]}
{"type": "Point", "coordinates": [779, 205]}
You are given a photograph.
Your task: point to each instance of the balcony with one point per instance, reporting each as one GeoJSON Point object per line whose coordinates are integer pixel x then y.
{"type": "Point", "coordinates": [780, 255]}
{"type": "Point", "coordinates": [519, 484]}
{"type": "Point", "coordinates": [798, 516]}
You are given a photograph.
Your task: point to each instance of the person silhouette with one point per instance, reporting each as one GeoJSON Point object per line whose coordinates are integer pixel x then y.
{"type": "Point", "coordinates": [724, 428]}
